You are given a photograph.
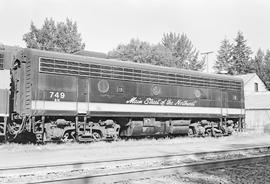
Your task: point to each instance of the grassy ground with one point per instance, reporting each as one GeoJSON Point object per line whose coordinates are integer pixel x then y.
{"type": "Point", "coordinates": [12, 147]}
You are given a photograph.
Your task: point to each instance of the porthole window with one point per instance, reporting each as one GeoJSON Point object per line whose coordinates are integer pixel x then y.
{"type": "Point", "coordinates": [156, 89]}
{"type": "Point", "coordinates": [103, 86]}
{"type": "Point", "coordinates": [197, 93]}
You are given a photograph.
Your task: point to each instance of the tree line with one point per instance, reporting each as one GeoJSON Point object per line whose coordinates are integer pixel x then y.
{"type": "Point", "coordinates": [236, 59]}
{"type": "Point", "coordinates": [52, 36]}
{"type": "Point", "coordinates": [173, 50]}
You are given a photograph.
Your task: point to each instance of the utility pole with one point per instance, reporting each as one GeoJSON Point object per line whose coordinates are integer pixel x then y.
{"type": "Point", "coordinates": [207, 64]}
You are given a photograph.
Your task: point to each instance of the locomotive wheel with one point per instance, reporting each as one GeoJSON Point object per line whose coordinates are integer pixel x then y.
{"type": "Point", "coordinates": [69, 136]}
{"type": "Point", "coordinates": [96, 136]}
{"type": "Point", "coordinates": [208, 132]}
{"type": "Point", "coordinates": [2, 128]}
{"type": "Point", "coordinates": [190, 132]}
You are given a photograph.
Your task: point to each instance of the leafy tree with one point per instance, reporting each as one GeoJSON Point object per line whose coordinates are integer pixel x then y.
{"type": "Point", "coordinates": [261, 65]}
{"type": "Point", "coordinates": [162, 56]}
{"type": "Point", "coordinates": [142, 52]}
{"type": "Point", "coordinates": [136, 51]}
{"type": "Point", "coordinates": [241, 59]}
{"type": "Point", "coordinates": [185, 55]}
{"type": "Point", "coordinates": [184, 49]}
{"type": "Point", "coordinates": [266, 69]}
{"type": "Point", "coordinates": [61, 36]}
{"type": "Point", "coordinates": [258, 62]}
{"type": "Point", "coordinates": [224, 57]}
{"type": "Point", "coordinates": [170, 52]}
{"type": "Point", "coordinates": [195, 63]}
{"type": "Point", "coordinates": [170, 41]}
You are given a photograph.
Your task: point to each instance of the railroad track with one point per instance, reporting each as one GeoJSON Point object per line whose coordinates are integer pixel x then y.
{"type": "Point", "coordinates": [123, 177]}
{"type": "Point", "coordinates": [102, 172]}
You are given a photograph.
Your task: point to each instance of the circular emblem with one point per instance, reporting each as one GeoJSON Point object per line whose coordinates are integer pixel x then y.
{"type": "Point", "coordinates": [197, 93]}
{"type": "Point", "coordinates": [103, 86]}
{"type": "Point", "coordinates": [156, 89]}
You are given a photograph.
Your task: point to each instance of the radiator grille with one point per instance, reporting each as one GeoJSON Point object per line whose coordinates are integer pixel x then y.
{"type": "Point", "coordinates": [132, 74]}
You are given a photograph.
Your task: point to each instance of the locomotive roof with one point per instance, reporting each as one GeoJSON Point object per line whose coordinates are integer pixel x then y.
{"type": "Point", "coordinates": [114, 62]}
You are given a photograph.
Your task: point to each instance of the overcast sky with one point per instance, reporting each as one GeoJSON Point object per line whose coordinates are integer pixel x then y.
{"type": "Point", "coordinates": [106, 23]}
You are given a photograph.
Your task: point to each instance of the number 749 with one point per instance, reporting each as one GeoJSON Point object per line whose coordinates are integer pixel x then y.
{"type": "Point", "coordinates": [57, 94]}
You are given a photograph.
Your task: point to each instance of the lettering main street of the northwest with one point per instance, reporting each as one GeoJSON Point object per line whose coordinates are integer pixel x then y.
{"type": "Point", "coordinates": [159, 101]}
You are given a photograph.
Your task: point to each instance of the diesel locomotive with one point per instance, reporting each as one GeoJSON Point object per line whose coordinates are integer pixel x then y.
{"type": "Point", "coordinates": [65, 97]}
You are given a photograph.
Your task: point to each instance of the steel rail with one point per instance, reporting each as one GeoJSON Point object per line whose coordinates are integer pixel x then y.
{"type": "Point", "coordinates": [69, 166]}
{"type": "Point", "coordinates": [156, 172]}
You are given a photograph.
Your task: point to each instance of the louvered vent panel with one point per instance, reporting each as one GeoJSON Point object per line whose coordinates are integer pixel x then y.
{"type": "Point", "coordinates": [132, 74]}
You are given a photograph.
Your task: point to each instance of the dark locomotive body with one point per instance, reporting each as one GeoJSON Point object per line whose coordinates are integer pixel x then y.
{"type": "Point", "coordinates": [67, 97]}
{"type": "Point", "coordinates": [6, 56]}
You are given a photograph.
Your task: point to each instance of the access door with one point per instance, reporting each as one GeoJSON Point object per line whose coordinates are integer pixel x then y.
{"type": "Point", "coordinates": [82, 95]}
{"type": "Point", "coordinates": [224, 103]}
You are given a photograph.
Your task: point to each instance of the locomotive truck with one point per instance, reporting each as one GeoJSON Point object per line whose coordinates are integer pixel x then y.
{"type": "Point", "coordinates": [65, 97]}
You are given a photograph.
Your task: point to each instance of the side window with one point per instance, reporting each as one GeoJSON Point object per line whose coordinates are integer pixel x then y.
{"type": "Point", "coordinates": [256, 87]}
{"type": "Point", "coordinates": [120, 89]}
{"type": "Point", "coordinates": [1, 61]}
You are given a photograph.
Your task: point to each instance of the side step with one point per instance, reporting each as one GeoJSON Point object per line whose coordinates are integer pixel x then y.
{"type": "Point", "coordinates": [3, 128]}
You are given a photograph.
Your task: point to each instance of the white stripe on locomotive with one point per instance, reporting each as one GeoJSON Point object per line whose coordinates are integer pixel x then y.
{"type": "Point", "coordinates": [4, 115]}
{"type": "Point", "coordinates": [83, 107]}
